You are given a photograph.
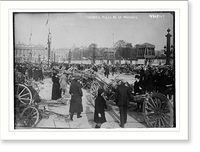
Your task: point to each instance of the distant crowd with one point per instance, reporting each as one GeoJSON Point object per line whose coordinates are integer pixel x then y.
{"type": "Point", "coordinates": [151, 78]}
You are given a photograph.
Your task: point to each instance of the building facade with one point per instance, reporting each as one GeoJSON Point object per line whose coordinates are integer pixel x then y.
{"type": "Point", "coordinates": [61, 54]}
{"type": "Point", "coordinates": [109, 55]}
{"type": "Point", "coordinates": [30, 53]}
{"type": "Point", "coordinates": [145, 51]}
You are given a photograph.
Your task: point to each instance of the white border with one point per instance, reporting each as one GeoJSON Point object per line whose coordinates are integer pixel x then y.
{"type": "Point", "coordinates": [130, 134]}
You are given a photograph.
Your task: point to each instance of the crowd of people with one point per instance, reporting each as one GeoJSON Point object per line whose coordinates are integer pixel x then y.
{"type": "Point", "coordinates": [31, 71]}
{"type": "Point", "coordinates": [147, 79]}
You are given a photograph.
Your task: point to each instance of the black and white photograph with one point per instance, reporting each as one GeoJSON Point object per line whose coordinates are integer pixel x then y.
{"type": "Point", "coordinates": [94, 70]}
{"type": "Point", "coordinates": [80, 71]}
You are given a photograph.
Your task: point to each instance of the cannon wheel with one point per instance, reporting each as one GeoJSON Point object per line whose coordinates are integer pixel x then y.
{"type": "Point", "coordinates": [23, 94]}
{"type": "Point", "coordinates": [29, 117]}
{"type": "Point", "coordinates": [158, 111]}
{"type": "Point", "coordinates": [94, 89]}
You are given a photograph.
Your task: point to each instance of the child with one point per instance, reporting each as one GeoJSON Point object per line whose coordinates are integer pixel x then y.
{"type": "Point", "coordinates": [100, 106]}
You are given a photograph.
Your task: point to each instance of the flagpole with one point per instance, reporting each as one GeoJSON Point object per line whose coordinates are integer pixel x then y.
{"type": "Point", "coordinates": [48, 40]}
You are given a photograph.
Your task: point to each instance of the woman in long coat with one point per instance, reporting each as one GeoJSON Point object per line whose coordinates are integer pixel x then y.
{"type": "Point", "coordinates": [56, 91]}
{"type": "Point", "coordinates": [76, 99]}
{"type": "Point", "coordinates": [99, 112]}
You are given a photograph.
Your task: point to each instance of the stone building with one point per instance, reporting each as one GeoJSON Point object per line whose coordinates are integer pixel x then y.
{"type": "Point", "coordinates": [30, 53]}
{"type": "Point", "coordinates": [109, 55]}
{"type": "Point", "coordinates": [145, 52]}
{"type": "Point", "coordinates": [61, 54]}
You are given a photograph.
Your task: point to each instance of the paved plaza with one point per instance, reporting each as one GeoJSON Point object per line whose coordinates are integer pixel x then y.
{"type": "Point", "coordinates": [55, 113]}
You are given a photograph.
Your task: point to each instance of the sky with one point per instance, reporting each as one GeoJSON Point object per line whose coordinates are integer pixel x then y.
{"type": "Point", "coordinates": [83, 29]}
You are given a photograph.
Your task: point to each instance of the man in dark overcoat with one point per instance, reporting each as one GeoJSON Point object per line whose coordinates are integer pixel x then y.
{"type": "Point", "coordinates": [137, 86]}
{"type": "Point", "coordinates": [30, 72]}
{"type": "Point", "coordinates": [76, 99]}
{"type": "Point", "coordinates": [36, 74]}
{"type": "Point", "coordinates": [122, 97]}
{"type": "Point", "coordinates": [113, 70]}
{"type": "Point", "coordinates": [106, 73]}
{"type": "Point", "coordinates": [138, 89]}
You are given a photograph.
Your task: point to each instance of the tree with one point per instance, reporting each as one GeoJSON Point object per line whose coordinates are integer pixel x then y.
{"type": "Point", "coordinates": [119, 46]}
{"type": "Point", "coordinates": [127, 51]}
{"type": "Point", "coordinates": [76, 53]}
{"type": "Point", "coordinates": [123, 50]}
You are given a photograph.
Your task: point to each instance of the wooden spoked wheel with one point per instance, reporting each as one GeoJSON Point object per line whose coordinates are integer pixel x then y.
{"type": "Point", "coordinates": [158, 111]}
{"type": "Point", "coordinates": [29, 117]}
{"type": "Point", "coordinates": [94, 89]}
{"type": "Point", "coordinates": [23, 94]}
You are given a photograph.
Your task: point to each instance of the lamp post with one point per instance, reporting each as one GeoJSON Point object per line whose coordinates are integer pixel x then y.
{"type": "Point", "coordinates": [168, 49]}
{"type": "Point", "coordinates": [173, 54]}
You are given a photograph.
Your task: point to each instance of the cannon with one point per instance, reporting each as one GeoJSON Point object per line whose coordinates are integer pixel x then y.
{"type": "Point", "coordinates": [157, 109]}
{"type": "Point", "coordinates": [25, 102]}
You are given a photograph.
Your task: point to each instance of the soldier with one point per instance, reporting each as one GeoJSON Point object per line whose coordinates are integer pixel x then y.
{"type": "Point", "coordinates": [122, 97]}
{"type": "Point", "coordinates": [76, 99]}
{"type": "Point", "coordinates": [138, 90]}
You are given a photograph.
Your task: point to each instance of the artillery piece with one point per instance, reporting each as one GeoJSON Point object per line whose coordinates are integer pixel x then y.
{"type": "Point", "coordinates": [157, 109]}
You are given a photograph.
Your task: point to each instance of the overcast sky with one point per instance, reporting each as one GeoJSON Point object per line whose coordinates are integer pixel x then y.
{"type": "Point", "coordinates": [82, 29]}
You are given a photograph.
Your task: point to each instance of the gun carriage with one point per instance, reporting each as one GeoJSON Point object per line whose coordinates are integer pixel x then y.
{"type": "Point", "coordinates": [157, 109]}
{"type": "Point", "coordinates": [25, 101]}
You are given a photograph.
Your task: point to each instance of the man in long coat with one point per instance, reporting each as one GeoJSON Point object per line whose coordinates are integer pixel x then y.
{"type": "Point", "coordinates": [106, 71]}
{"type": "Point", "coordinates": [76, 99]}
{"type": "Point", "coordinates": [138, 90]}
{"type": "Point", "coordinates": [122, 97]}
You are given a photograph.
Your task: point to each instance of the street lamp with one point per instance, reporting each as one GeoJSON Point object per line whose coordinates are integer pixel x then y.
{"type": "Point", "coordinates": [168, 50]}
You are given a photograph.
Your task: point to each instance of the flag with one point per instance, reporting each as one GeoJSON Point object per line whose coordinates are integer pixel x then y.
{"type": "Point", "coordinates": [47, 20]}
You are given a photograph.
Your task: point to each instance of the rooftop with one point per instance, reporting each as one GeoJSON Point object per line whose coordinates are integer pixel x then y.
{"type": "Point", "coordinates": [145, 45]}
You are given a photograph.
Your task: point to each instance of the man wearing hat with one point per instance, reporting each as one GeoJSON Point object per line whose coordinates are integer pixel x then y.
{"type": "Point", "coordinates": [76, 99]}
{"type": "Point", "coordinates": [137, 85]}
{"type": "Point", "coordinates": [122, 97]}
{"type": "Point", "coordinates": [138, 90]}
